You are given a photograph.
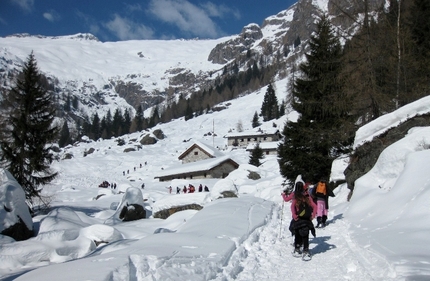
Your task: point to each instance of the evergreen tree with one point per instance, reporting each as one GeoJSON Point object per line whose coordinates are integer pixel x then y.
{"type": "Point", "coordinates": [282, 109]}
{"type": "Point", "coordinates": [318, 137]}
{"type": "Point", "coordinates": [420, 26]}
{"type": "Point", "coordinates": [28, 131]}
{"type": "Point", "coordinates": [138, 120]}
{"type": "Point", "coordinates": [188, 112]}
{"type": "Point", "coordinates": [255, 121]}
{"type": "Point", "coordinates": [127, 122]}
{"type": "Point", "coordinates": [269, 108]}
{"type": "Point", "coordinates": [256, 155]}
{"type": "Point", "coordinates": [155, 117]}
{"type": "Point", "coordinates": [65, 138]}
{"type": "Point", "coordinates": [117, 122]}
{"type": "Point", "coordinates": [96, 132]}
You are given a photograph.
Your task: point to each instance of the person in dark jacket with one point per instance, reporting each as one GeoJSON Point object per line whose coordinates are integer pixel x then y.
{"type": "Point", "coordinates": [321, 192]}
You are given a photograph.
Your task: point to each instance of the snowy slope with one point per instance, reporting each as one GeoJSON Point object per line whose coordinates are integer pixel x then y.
{"type": "Point", "coordinates": [380, 235]}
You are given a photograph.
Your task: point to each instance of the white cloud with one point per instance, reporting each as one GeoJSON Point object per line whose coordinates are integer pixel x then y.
{"type": "Point", "coordinates": [220, 11]}
{"type": "Point", "coordinates": [51, 16]}
{"type": "Point", "coordinates": [126, 29]}
{"type": "Point", "coordinates": [188, 17]}
{"type": "Point", "coordinates": [26, 5]}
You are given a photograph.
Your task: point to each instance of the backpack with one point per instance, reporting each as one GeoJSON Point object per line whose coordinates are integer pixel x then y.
{"type": "Point", "coordinates": [304, 210]}
{"type": "Point", "coordinates": [321, 189]}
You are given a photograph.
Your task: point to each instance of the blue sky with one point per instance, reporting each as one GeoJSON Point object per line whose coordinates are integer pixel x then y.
{"type": "Point", "coordinates": [116, 20]}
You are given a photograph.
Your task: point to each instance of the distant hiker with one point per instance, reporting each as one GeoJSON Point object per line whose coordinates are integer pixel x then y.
{"type": "Point", "coordinates": [200, 188]}
{"type": "Point", "coordinates": [141, 165]}
{"type": "Point", "coordinates": [184, 189]}
{"type": "Point", "coordinates": [145, 163]}
{"type": "Point", "coordinates": [128, 171]}
{"type": "Point", "coordinates": [170, 189]}
{"type": "Point", "coordinates": [134, 169]}
{"type": "Point", "coordinates": [178, 190]}
{"type": "Point", "coordinates": [143, 185]}
{"type": "Point", "coordinates": [206, 188]}
{"type": "Point", "coordinates": [321, 192]}
{"type": "Point", "coordinates": [303, 210]}
{"type": "Point", "coordinates": [123, 173]}
{"type": "Point", "coordinates": [191, 188]}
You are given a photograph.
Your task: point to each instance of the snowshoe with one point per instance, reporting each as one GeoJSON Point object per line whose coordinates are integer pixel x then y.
{"type": "Point", "coordinates": [306, 256]}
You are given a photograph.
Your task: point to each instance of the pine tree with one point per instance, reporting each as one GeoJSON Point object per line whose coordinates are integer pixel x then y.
{"type": "Point", "coordinates": [256, 155]}
{"type": "Point", "coordinates": [117, 122]}
{"type": "Point", "coordinates": [269, 108]}
{"type": "Point", "coordinates": [96, 132]}
{"type": "Point", "coordinates": [127, 122]}
{"type": "Point", "coordinates": [65, 138]}
{"type": "Point", "coordinates": [255, 121]}
{"type": "Point", "coordinates": [317, 138]}
{"type": "Point", "coordinates": [28, 131]}
{"type": "Point", "coordinates": [138, 120]}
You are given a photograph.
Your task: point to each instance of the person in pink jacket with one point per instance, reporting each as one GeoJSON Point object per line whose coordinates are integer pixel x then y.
{"type": "Point", "coordinates": [303, 210]}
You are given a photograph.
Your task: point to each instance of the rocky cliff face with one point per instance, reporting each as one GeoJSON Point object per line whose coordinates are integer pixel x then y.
{"type": "Point", "coordinates": [233, 48]}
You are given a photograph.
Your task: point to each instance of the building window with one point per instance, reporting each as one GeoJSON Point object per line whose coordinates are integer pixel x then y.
{"type": "Point", "coordinates": [265, 138]}
{"type": "Point", "coordinates": [196, 153]}
{"type": "Point", "coordinates": [241, 140]}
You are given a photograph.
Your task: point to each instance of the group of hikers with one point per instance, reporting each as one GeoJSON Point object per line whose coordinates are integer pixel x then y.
{"type": "Point", "coordinates": [190, 189]}
{"type": "Point", "coordinates": [106, 184]}
{"type": "Point", "coordinates": [134, 168]}
{"type": "Point", "coordinates": [307, 202]}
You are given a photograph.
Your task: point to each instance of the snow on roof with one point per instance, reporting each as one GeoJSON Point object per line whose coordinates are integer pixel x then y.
{"type": "Point", "coordinates": [258, 132]}
{"type": "Point", "coordinates": [211, 151]}
{"type": "Point", "coordinates": [198, 166]}
{"type": "Point", "coordinates": [264, 145]}
{"type": "Point", "coordinates": [386, 122]}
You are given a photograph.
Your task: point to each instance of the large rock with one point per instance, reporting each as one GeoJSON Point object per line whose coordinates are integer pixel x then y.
{"type": "Point", "coordinates": [159, 134]}
{"type": "Point", "coordinates": [132, 212]}
{"type": "Point", "coordinates": [164, 214]}
{"type": "Point", "coordinates": [15, 217]}
{"type": "Point", "coordinates": [130, 208]}
{"type": "Point", "coordinates": [365, 156]}
{"type": "Point", "coordinates": [231, 49]}
{"type": "Point", "coordinates": [147, 140]}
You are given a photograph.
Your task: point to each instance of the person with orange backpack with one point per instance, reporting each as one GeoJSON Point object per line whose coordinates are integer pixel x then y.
{"type": "Point", "coordinates": [321, 192]}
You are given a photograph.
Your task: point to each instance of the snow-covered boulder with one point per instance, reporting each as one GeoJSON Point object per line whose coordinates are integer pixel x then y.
{"type": "Point", "coordinates": [130, 208]}
{"type": "Point", "coordinates": [15, 217]}
{"type": "Point", "coordinates": [224, 188]}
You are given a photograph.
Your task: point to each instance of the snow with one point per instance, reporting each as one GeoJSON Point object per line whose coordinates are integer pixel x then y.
{"type": "Point", "coordinates": [390, 120]}
{"type": "Point", "coordinates": [381, 234]}
{"type": "Point", "coordinates": [12, 197]}
{"type": "Point", "coordinates": [95, 62]}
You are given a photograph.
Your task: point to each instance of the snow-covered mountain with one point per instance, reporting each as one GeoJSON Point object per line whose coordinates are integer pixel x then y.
{"type": "Point", "coordinates": [126, 74]}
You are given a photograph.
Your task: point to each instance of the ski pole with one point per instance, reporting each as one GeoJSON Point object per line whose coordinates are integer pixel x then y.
{"type": "Point", "coordinates": [282, 216]}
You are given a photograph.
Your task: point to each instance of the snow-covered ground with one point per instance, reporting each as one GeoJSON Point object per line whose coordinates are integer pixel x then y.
{"type": "Point", "coordinates": [381, 234]}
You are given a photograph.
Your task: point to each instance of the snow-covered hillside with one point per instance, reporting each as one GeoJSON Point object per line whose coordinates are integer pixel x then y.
{"type": "Point", "coordinates": [380, 235]}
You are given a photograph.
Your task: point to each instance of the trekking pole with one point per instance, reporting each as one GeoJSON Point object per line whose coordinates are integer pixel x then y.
{"type": "Point", "coordinates": [282, 216]}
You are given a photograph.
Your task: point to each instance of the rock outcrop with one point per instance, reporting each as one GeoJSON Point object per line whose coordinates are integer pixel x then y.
{"type": "Point", "coordinates": [15, 217]}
